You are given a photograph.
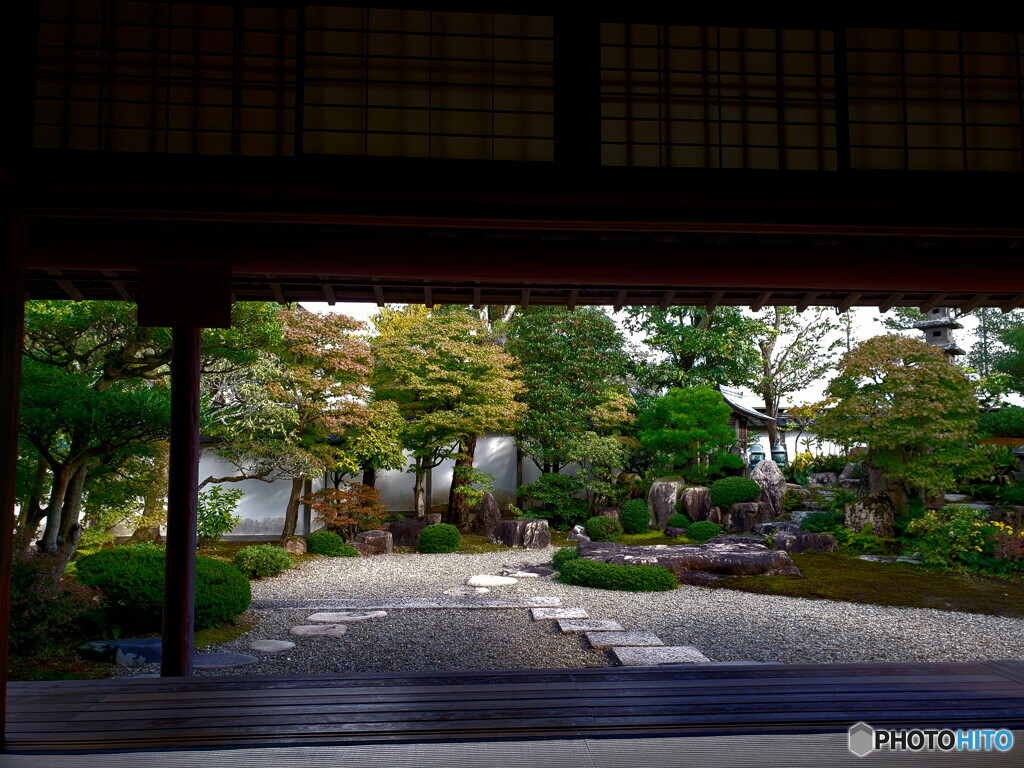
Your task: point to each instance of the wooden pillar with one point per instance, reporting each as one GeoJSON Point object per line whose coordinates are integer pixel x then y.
{"type": "Point", "coordinates": [12, 321]}
{"type": "Point", "coordinates": [182, 504]}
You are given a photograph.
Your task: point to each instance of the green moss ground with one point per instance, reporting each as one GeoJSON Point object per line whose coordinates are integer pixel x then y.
{"type": "Point", "coordinates": [849, 579]}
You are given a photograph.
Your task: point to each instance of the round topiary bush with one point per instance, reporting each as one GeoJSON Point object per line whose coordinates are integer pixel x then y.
{"type": "Point", "coordinates": [440, 537]}
{"type": "Point", "coordinates": [636, 516]}
{"type": "Point", "coordinates": [628, 578]}
{"type": "Point", "coordinates": [703, 531]}
{"type": "Point", "coordinates": [734, 490]}
{"type": "Point", "coordinates": [678, 520]}
{"type": "Point", "coordinates": [131, 579]}
{"type": "Point", "coordinates": [261, 560]}
{"type": "Point", "coordinates": [563, 556]}
{"type": "Point", "coordinates": [324, 542]}
{"type": "Point", "coordinates": [603, 529]}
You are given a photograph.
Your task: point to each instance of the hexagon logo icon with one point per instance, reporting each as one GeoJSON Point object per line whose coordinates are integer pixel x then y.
{"type": "Point", "coordinates": [862, 739]}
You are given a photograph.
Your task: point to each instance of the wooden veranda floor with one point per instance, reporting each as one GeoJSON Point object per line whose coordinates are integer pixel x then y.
{"type": "Point", "coordinates": [179, 713]}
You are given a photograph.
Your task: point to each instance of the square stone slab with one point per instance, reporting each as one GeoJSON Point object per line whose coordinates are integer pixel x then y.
{"type": "Point", "coordinates": [588, 625]}
{"type": "Point", "coordinates": [346, 616]}
{"type": "Point", "coordinates": [543, 614]}
{"type": "Point", "coordinates": [667, 654]}
{"type": "Point", "coordinates": [613, 639]}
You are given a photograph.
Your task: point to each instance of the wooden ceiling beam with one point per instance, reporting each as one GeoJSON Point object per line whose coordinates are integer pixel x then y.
{"type": "Point", "coordinates": [428, 297]}
{"type": "Point", "coordinates": [667, 298]}
{"type": "Point", "coordinates": [66, 285]}
{"type": "Point", "coordinates": [574, 296]}
{"type": "Point", "coordinates": [973, 303]}
{"type": "Point", "coordinates": [477, 299]}
{"type": "Point", "coordinates": [524, 299]}
{"type": "Point", "coordinates": [849, 301]}
{"type": "Point", "coordinates": [760, 301]}
{"type": "Point", "coordinates": [806, 301]}
{"type": "Point", "coordinates": [890, 301]}
{"type": "Point", "coordinates": [378, 295]}
{"type": "Point", "coordinates": [620, 301]}
{"type": "Point", "coordinates": [1014, 303]}
{"type": "Point", "coordinates": [275, 289]}
{"type": "Point", "coordinates": [328, 290]}
{"type": "Point", "coordinates": [931, 303]}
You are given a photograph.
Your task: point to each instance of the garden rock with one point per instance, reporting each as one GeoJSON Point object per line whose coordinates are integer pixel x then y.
{"type": "Point", "coordinates": [271, 646]}
{"type": "Point", "coordinates": [466, 591]}
{"type": "Point", "coordinates": [773, 484]}
{"type": "Point", "coordinates": [576, 626]}
{"type": "Point", "coordinates": [851, 471]}
{"type": "Point", "coordinates": [695, 503]}
{"type": "Point", "coordinates": [295, 545]}
{"type": "Point", "coordinates": [488, 517]}
{"type": "Point", "coordinates": [406, 533]}
{"type": "Point", "coordinates": [875, 510]}
{"type": "Point", "coordinates": [487, 580]}
{"type": "Point", "coordinates": [956, 498]}
{"type": "Point", "coordinates": [374, 543]}
{"type": "Point", "coordinates": [344, 617]}
{"type": "Point", "coordinates": [129, 651]}
{"type": "Point", "coordinates": [319, 630]}
{"type": "Point", "coordinates": [698, 564]}
{"type": "Point", "coordinates": [742, 517]}
{"type": "Point", "coordinates": [578, 533]}
{"type": "Point", "coordinates": [661, 500]}
{"type": "Point", "coordinates": [613, 512]}
{"type": "Point", "coordinates": [715, 516]}
{"type": "Point", "coordinates": [527, 534]}
{"type": "Point", "coordinates": [818, 479]}
{"type": "Point", "coordinates": [795, 543]}
{"type": "Point", "coordinates": [675, 533]}
{"type": "Point", "coordinates": [799, 490]}
{"type": "Point", "coordinates": [770, 529]}
{"type": "Point", "coordinates": [146, 533]}
{"type": "Point", "coordinates": [654, 656]}
{"type": "Point", "coordinates": [547, 614]}
{"type": "Point", "coordinates": [850, 483]}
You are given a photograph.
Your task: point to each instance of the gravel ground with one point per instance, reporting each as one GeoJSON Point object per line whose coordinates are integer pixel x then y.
{"type": "Point", "coordinates": [723, 624]}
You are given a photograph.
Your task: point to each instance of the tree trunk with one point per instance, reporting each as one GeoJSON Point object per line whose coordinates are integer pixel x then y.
{"type": "Point", "coordinates": [458, 504]}
{"type": "Point", "coordinates": [419, 493]}
{"type": "Point", "coordinates": [291, 514]}
{"type": "Point", "coordinates": [370, 477]}
{"type": "Point", "coordinates": [32, 512]}
{"type": "Point", "coordinates": [48, 543]}
{"type": "Point", "coordinates": [70, 524]}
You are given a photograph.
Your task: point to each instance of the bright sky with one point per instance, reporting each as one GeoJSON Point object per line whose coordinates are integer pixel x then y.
{"type": "Point", "coordinates": [866, 323]}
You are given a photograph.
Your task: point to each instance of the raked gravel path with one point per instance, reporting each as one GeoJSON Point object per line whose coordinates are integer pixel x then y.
{"type": "Point", "coordinates": [724, 625]}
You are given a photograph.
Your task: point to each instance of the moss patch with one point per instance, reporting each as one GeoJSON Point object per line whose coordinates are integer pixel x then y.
{"type": "Point", "coordinates": [852, 580]}
{"type": "Point", "coordinates": [225, 633]}
{"type": "Point", "coordinates": [652, 537]}
{"type": "Point", "coordinates": [64, 665]}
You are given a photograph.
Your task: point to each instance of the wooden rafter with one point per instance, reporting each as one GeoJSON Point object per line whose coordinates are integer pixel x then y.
{"type": "Point", "coordinates": [477, 298]}
{"type": "Point", "coordinates": [620, 300]}
{"type": "Point", "coordinates": [806, 301]}
{"type": "Point", "coordinates": [524, 300]}
{"type": "Point", "coordinates": [891, 301]}
{"type": "Point", "coordinates": [66, 285]}
{"type": "Point", "coordinates": [667, 299]}
{"type": "Point", "coordinates": [574, 295]}
{"type": "Point", "coordinates": [973, 303]}
{"type": "Point", "coordinates": [378, 294]}
{"type": "Point", "coordinates": [760, 301]}
{"type": "Point", "coordinates": [931, 303]}
{"type": "Point", "coordinates": [849, 301]}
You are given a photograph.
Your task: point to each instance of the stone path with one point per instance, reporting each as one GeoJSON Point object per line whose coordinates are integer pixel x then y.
{"type": "Point", "coordinates": [389, 604]}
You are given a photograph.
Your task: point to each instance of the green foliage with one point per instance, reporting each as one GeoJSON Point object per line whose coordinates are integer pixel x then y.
{"type": "Point", "coordinates": [1012, 362]}
{"type": "Point", "coordinates": [557, 496]}
{"type": "Point", "coordinates": [440, 537]}
{"type": "Point", "coordinates": [688, 430]}
{"type": "Point", "coordinates": [703, 530]}
{"type": "Point", "coordinates": [44, 609]}
{"type": "Point", "coordinates": [324, 542]}
{"type": "Point", "coordinates": [1006, 422]}
{"type": "Point", "coordinates": [734, 490]}
{"type": "Point", "coordinates": [564, 555]}
{"type": "Point", "coordinates": [628, 578]}
{"type": "Point", "coordinates": [823, 522]}
{"type": "Point", "coordinates": [915, 411]}
{"type": "Point", "coordinates": [805, 464]}
{"type": "Point", "coordinates": [636, 517]}
{"type": "Point", "coordinates": [216, 513]}
{"type": "Point", "coordinates": [603, 529]}
{"type": "Point", "coordinates": [131, 579]}
{"type": "Point", "coordinates": [476, 483]}
{"type": "Point", "coordinates": [792, 500]}
{"type": "Point", "coordinates": [261, 560]}
{"type": "Point", "coordinates": [679, 520]}
{"type": "Point", "coordinates": [839, 501]}
{"type": "Point", "coordinates": [948, 536]}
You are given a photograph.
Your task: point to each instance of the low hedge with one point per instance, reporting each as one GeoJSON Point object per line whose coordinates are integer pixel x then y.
{"type": "Point", "coordinates": [636, 516]}
{"type": "Point", "coordinates": [563, 556]}
{"type": "Point", "coordinates": [603, 529]}
{"type": "Point", "coordinates": [678, 520]}
{"type": "Point", "coordinates": [627, 578]}
{"type": "Point", "coordinates": [703, 531]}
{"type": "Point", "coordinates": [734, 490]}
{"type": "Point", "coordinates": [324, 542]}
{"type": "Point", "coordinates": [261, 560]}
{"type": "Point", "coordinates": [439, 537]}
{"type": "Point", "coordinates": [131, 579]}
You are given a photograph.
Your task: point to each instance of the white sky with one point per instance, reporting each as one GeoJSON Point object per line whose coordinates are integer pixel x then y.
{"type": "Point", "coordinates": [866, 323]}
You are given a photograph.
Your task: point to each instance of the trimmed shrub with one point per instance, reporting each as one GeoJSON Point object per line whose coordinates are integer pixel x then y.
{"type": "Point", "coordinates": [1006, 422]}
{"type": "Point", "coordinates": [636, 517]}
{"type": "Point", "coordinates": [131, 579]}
{"type": "Point", "coordinates": [603, 529]}
{"type": "Point", "coordinates": [734, 490]}
{"type": "Point", "coordinates": [558, 496]}
{"type": "Point", "coordinates": [563, 556]}
{"type": "Point", "coordinates": [440, 537]}
{"type": "Point", "coordinates": [627, 578]}
{"type": "Point", "coordinates": [45, 610]}
{"type": "Point", "coordinates": [324, 542]}
{"type": "Point", "coordinates": [679, 520]}
{"type": "Point", "coordinates": [261, 560]}
{"type": "Point", "coordinates": [703, 531]}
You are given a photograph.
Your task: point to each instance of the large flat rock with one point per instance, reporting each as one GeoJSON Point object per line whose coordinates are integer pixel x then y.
{"type": "Point", "coordinates": [343, 617]}
{"type": "Point", "coordinates": [696, 564]}
{"type": "Point", "coordinates": [396, 603]}
{"type": "Point", "coordinates": [222, 660]}
{"type": "Point", "coordinates": [575, 626]}
{"type": "Point", "coordinates": [319, 630]}
{"type": "Point", "coordinates": [547, 614]}
{"type": "Point", "coordinates": [615, 639]}
{"type": "Point", "coordinates": [666, 654]}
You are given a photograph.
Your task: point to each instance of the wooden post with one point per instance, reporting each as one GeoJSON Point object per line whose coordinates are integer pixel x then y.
{"type": "Point", "coordinates": [12, 324]}
{"type": "Point", "coordinates": [182, 504]}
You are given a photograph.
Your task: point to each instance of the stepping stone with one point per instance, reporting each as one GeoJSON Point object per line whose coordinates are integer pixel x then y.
{"type": "Point", "coordinates": [521, 574]}
{"type": "Point", "coordinates": [613, 639]}
{"type": "Point", "coordinates": [486, 580]}
{"type": "Point", "coordinates": [419, 603]}
{"type": "Point", "coordinates": [271, 646]}
{"type": "Point", "coordinates": [543, 614]}
{"type": "Point", "coordinates": [319, 630]}
{"type": "Point", "coordinates": [667, 654]}
{"type": "Point", "coordinates": [467, 591]}
{"type": "Point", "coordinates": [346, 616]}
{"type": "Point", "coordinates": [573, 626]}
{"type": "Point", "coordinates": [221, 660]}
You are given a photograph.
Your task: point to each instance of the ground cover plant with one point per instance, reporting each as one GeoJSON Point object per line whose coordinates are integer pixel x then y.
{"type": "Point", "coordinates": [628, 578]}
{"type": "Point", "coordinates": [603, 529]}
{"type": "Point", "coordinates": [329, 543]}
{"type": "Point", "coordinates": [261, 560]}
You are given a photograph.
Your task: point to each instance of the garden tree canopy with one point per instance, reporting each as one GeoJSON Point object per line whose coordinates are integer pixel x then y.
{"type": "Point", "coordinates": [915, 412]}
{"type": "Point", "coordinates": [698, 347]}
{"type": "Point", "coordinates": [94, 393]}
{"type": "Point", "coordinates": [793, 355]}
{"type": "Point", "coordinates": [688, 430]}
{"type": "Point", "coordinates": [448, 381]}
{"type": "Point", "coordinates": [1012, 362]}
{"type": "Point", "coordinates": [571, 361]}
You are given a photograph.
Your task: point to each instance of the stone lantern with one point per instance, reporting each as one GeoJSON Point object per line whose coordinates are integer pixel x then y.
{"type": "Point", "coordinates": [755, 455]}
{"type": "Point", "coordinates": [938, 328]}
{"type": "Point", "coordinates": [779, 454]}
